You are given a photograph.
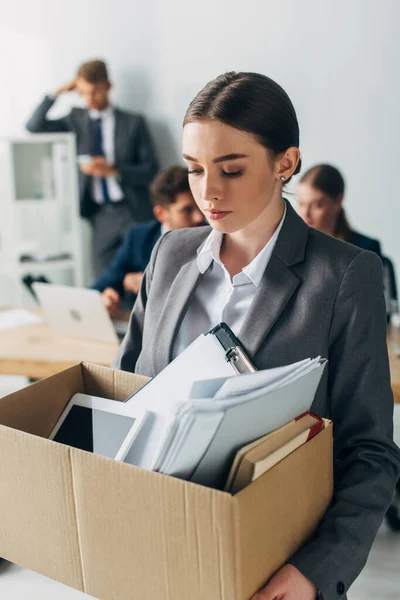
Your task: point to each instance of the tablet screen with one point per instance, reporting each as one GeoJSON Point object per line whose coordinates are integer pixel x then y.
{"type": "Point", "coordinates": [94, 430]}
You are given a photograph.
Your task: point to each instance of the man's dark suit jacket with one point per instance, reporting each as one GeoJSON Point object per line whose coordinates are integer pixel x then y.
{"type": "Point", "coordinates": [135, 158]}
{"type": "Point", "coordinates": [132, 257]}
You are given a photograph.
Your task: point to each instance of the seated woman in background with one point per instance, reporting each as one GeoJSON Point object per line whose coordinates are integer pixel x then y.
{"type": "Point", "coordinates": [320, 203]}
{"type": "Point", "coordinates": [319, 200]}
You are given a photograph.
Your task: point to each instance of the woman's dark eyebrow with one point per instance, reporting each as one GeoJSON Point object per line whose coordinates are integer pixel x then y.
{"type": "Point", "coordinates": [219, 159]}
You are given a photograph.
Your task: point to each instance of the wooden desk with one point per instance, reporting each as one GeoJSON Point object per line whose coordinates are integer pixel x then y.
{"type": "Point", "coordinates": [394, 362]}
{"type": "Point", "coordinates": [36, 352]}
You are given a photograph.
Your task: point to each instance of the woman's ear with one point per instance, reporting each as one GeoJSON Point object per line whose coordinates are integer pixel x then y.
{"type": "Point", "coordinates": [288, 162]}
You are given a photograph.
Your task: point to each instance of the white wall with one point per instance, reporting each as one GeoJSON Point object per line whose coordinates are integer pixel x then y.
{"type": "Point", "coordinates": [337, 59]}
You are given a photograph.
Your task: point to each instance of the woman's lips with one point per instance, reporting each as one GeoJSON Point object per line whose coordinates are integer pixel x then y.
{"type": "Point", "coordinates": [216, 215]}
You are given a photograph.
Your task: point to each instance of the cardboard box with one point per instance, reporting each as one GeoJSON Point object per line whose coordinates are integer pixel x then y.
{"type": "Point", "coordinates": [118, 532]}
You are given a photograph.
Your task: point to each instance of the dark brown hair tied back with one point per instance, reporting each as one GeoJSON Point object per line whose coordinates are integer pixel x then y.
{"type": "Point", "coordinates": [253, 103]}
{"type": "Point", "coordinates": [326, 178]}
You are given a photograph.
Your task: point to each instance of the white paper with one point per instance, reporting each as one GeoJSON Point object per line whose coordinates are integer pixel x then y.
{"type": "Point", "coordinates": [202, 411]}
{"type": "Point", "coordinates": [249, 421]}
{"type": "Point", "coordinates": [18, 317]}
{"type": "Point", "coordinates": [234, 399]}
{"type": "Point", "coordinates": [261, 379]}
{"type": "Point", "coordinates": [192, 440]}
{"type": "Point", "coordinates": [164, 395]}
{"type": "Point", "coordinates": [203, 359]}
{"type": "Point", "coordinates": [209, 430]}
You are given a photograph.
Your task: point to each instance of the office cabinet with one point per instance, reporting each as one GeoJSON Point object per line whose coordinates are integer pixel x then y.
{"type": "Point", "coordinates": [39, 221]}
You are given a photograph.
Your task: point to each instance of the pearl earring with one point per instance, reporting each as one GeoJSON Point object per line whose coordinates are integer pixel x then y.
{"type": "Point", "coordinates": [282, 178]}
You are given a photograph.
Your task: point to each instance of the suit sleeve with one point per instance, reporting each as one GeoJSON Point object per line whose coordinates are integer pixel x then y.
{"type": "Point", "coordinates": [366, 460]}
{"type": "Point", "coordinates": [131, 345]}
{"type": "Point", "coordinates": [142, 172]}
{"type": "Point", "coordinates": [122, 264]}
{"type": "Point", "coordinates": [39, 123]}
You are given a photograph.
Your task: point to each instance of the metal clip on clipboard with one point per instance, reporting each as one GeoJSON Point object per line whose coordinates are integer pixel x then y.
{"type": "Point", "coordinates": [234, 352]}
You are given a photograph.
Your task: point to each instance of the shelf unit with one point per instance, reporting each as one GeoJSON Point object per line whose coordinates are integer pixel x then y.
{"type": "Point", "coordinates": [39, 213]}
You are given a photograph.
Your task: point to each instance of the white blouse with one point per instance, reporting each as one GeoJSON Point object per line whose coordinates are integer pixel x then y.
{"type": "Point", "coordinates": [218, 298]}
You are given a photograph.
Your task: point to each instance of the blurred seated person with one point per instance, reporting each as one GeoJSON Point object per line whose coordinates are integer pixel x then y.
{"type": "Point", "coordinates": [320, 203]}
{"type": "Point", "coordinates": [173, 208]}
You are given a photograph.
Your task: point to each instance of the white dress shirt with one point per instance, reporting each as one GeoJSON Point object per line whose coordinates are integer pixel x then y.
{"type": "Point", "coordinates": [107, 117]}
{"type": "Point", "coordinates": [218, 298]}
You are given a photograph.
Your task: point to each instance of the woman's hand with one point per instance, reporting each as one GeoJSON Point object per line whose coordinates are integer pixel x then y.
{"type": "Point", "coordinates": [288, 584]}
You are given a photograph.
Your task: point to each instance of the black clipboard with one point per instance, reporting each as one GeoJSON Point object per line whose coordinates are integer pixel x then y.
{"type": "Point", "coordinates": [234, 351]}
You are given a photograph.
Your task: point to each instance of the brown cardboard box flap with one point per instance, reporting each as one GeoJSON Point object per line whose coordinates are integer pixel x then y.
{"type": "Point", "coordinates": [37, 408]}
{"type": "Point", "coordinates": [110, 383]}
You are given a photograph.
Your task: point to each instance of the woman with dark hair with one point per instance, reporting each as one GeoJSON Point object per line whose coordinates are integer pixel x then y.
{"type": "Point", "coordinates": [288, 292]}
{"type": "Point", "coordinates": [320, 203]}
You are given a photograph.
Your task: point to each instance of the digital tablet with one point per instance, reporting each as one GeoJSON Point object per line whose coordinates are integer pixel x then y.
{"type": "Point", "coordinates": [98, 425]}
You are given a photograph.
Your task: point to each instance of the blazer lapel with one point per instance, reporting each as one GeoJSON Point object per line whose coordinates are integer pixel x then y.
{"type": "Point", "coordinates": [173, 312]}
{"type": "Point", "coordinates": [278, 283]}
{"type": "Point", "coordinates": [276, 288]}
{"type": "Point", "coordinates": [119, 135]}
{"type": "Point", "coordinates": [88, 135]}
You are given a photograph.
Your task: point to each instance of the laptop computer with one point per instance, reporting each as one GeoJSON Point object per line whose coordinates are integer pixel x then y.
{"type": "Point", "coordinates": [77, 312]}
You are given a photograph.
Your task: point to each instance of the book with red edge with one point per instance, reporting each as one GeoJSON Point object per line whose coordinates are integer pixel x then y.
{"type": "Point", "coordinates": [255, 459]}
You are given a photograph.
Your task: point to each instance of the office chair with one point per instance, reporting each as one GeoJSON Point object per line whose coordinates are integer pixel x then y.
{"type": "Point", "coordinates": [27, 280]}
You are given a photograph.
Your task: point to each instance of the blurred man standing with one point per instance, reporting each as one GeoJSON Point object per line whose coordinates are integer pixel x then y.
{"type": "Point", "coordinates": [116, 158]}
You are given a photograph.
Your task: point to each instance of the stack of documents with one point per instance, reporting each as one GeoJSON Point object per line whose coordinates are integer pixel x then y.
{"type": "Point", "coordinates": [202, 359]}
{"type": "Point", "coordinates": [195, 435]}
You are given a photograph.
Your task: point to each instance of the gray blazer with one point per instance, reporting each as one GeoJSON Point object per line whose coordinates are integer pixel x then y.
{"type": "Point", "coordinates": [135, 157]}
{"type": "Point", "coordinates": [318, 296]}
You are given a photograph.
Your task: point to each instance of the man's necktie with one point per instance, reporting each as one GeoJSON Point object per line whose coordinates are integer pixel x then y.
{"type": "Point", "coordinates": [99, 151]}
